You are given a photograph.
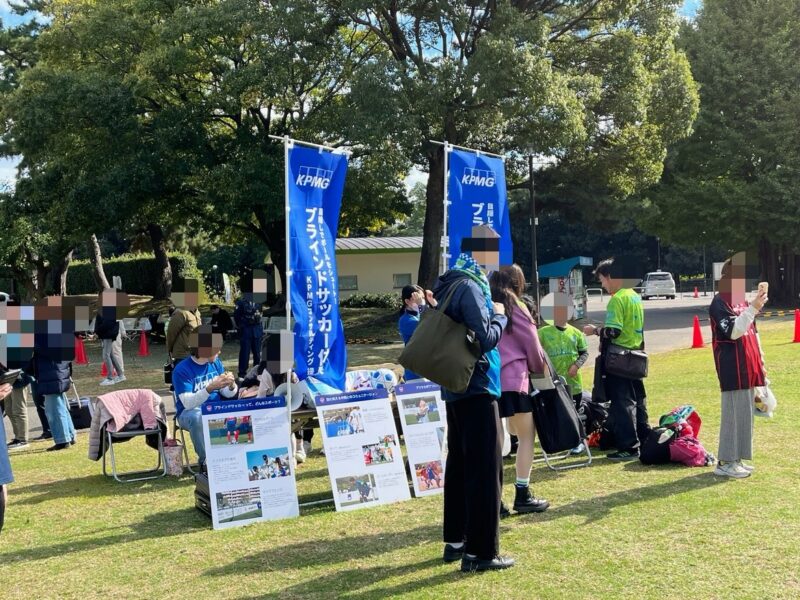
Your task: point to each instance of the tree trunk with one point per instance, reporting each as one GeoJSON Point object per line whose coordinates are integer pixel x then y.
{"type": "Point", "coordinates": [780, 266]}
{"type": "Point", "coordinates": [163, 268]}
{"type": "Point", "coordinates": [58, 275]}
{"type": "Point", "coordinates": [96, 258]}
{"type": "Point", "coordinates": [432, 230]}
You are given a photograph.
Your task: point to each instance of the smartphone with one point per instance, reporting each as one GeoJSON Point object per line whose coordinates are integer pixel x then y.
{"type": "Point", "coordinates": [763, 287]}
{"type": "Point", "coordinates": [10, 376]}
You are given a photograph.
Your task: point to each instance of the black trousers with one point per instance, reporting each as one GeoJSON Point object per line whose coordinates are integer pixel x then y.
{"type": "Point", "coordinates": [38, 402]}
{"type": "Point", "coordinates": [473, 476]}
{"type": "Point", "coordinates": [628, 411]}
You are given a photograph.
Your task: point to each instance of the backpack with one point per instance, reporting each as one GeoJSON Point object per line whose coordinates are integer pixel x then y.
{"type": "Point", "coordinates": [689, 451]}
{"type": "Point", "coordinates": [656, 448]}
{"type": "Point", "coordinates": [592, 413]}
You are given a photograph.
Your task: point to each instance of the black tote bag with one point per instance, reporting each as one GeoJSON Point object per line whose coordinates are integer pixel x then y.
{"type": "Point", "coordinates": [557, 422]}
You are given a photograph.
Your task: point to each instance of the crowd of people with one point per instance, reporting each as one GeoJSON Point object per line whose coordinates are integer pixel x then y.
{"type": "Point", "coordinates": [514, 349]}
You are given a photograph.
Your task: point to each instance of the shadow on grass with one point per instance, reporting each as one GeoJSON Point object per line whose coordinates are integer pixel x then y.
{"type": "Point", "coordinates": [155, 526]}
{"type": "Point", "coordinates": [93, 486]}
{"type": "Point", "coordinates": [599, 507]}
{"type": "Point", "coordinates": [350, 583]}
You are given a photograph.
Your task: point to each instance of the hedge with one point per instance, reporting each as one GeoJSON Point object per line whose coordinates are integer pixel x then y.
{"type": "Point", "coordinates": [138, 273]}
{"type": "Point", "coordinates": [391, 301]}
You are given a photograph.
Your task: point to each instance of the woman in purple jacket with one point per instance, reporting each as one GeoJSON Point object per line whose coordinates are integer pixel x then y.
{"type": "Point", "coordinates": [520, 353]}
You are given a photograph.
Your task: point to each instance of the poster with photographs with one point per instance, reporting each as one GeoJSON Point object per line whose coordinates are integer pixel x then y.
{"type": "Point", "coordinates": [423, 418]}
{"type": "Point", "coordinates": [362, 448]}
{"type": "Point", "coordinates": [250, 472]}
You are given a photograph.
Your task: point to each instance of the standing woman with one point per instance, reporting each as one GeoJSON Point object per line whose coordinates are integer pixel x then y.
{"type": "Point", "coordinates": [739, 363]}
{"type": "Point", "coordinates": [520, 353]}
{"type": "Point", "coordinates": [473, 475]}
{"type": "Point", "coordinates": [6, 476]}
{"type": "Point", "coordinates": [414, 304]}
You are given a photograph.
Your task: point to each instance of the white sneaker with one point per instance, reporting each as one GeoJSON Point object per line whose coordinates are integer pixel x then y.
{"type": "Point", "coordinates": [120, 379]}
{"type": "Point", "coordinates": [748, 468]}
{"type": "Point", "coordinates": [300, 457]}
{"type": "Point", "coordinates": [108, 381]}
{"type": "Point", "coordinates": [731, 469]}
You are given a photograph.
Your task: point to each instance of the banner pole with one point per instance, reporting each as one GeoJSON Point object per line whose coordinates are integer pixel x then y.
{"type": "Point", "coordinates": [288, 284]}
{"type": "Point", "coordinates": [444, 243]}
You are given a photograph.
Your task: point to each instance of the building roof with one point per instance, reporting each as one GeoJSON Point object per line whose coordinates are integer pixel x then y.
{"type": "Point", "coordinates": [562, 268]}
{"type": "Point", "coordinates": [378, 244]}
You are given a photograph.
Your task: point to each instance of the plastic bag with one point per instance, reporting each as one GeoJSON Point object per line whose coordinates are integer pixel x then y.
{"type": "Point", "coordinates": [765, 402]}
{"type": "Point", "coordinates": [506, 438]}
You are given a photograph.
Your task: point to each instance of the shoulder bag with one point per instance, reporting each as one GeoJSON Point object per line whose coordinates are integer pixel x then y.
{"type": "Point", "coordinates": [441, 349]}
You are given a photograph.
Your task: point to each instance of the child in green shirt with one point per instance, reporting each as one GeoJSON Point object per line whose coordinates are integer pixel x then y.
{"type": "Point", "coordinates": [565, 345]}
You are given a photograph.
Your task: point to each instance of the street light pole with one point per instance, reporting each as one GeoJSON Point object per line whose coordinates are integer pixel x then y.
{"type": "Point", "coordinates": [705, 278]}
{"type": "Point", "coordinates": [658, 252]}
{"type": "Point", "coordinates": [533, 223]}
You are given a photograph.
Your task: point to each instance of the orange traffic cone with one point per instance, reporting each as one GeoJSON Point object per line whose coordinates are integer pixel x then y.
{"type": "Point", "coordinates": [697, 334]}
{"type": "Point", "coordinates": [144, 350]}
{"type": "Point", "coordinates": [797, 326]}
{"type": "Point", "coordinates": [80, 352]}
{"type": "Point", "coordinates": [104, 371]}
{"type": "Point", "coordinates": [696, 295]}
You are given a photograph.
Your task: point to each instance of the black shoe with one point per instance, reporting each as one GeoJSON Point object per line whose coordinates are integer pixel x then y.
{"type": "Point", "coordinates": [452, 554]}
{"type": "Point", "coordinates": [44, 436]}
{"type": "Point", "coordinates": [504, 512]}
{"type": "Point", "coordinates": [525, 502]}
{"type": "Point", "coordinates": [623, 455]}
{"type": "Point", "coordinates": [470, 564]}
{"type": "Point", "coordinates": [17, 444]}
{"type": "Point", "coordinates": [72, 442]}
{"type": "Point", "coordinates": [63, 446]}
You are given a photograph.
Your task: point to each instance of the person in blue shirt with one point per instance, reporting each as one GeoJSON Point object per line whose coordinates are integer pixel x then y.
{"type": "Point", "coordinates": [415, 301]}
{"type": "Point", "coordinates": [198, 378]}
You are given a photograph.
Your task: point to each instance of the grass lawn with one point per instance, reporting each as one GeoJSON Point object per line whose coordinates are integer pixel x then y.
{"type": "Point", "coordinates": [614, 530]}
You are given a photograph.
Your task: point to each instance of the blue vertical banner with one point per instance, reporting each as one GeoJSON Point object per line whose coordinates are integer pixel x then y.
{"type": "Point", "coordinates": [476, 194]}
{"type": "Point", "coordinates": [315, 180]}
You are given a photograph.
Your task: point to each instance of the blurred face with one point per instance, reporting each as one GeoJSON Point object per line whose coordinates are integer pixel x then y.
{"type": "Point", "coordinates": [186, 294]}
{"type": "Point", "coordinates": [560, 315]}
{"type": "Point", "coordinates": [208, 344]}
{"type": "Point", "coordinates": [608, 284]}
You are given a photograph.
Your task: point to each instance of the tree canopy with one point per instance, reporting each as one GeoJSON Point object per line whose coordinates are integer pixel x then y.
{"type": "Point", "coordinates": [735, 183]}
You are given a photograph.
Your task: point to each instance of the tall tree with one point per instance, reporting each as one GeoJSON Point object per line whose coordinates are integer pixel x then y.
{"type": "Point", "coordinates": [735, 182]}
{"type": "Point", "coordinates": [597, 84]}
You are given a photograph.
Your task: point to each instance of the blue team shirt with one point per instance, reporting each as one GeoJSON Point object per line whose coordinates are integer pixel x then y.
{"type": "Point", "coordinates": [189, 377]}
{"type": "Point", "coordinates": [406, 325]}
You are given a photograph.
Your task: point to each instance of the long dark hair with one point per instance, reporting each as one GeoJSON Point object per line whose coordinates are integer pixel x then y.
{"type": "Point", "coordinates": [507, 286]}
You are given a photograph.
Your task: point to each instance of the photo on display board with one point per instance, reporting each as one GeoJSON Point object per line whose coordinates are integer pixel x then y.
{"type": "Point", "coordinates": [379, 453]}
{"type": "Point", "coordinates": [230, 431]}
{"type": "Point", "coordinates": [356, 489]}
{"type": "Point", "coordinates": [429, 475]}
{"type": "Point", "coordinates": [343, 421]}
{"type": "Point", "coordinates": [239, 505]}
{"type": "Point", "coordinates": [421, 410]}
{"type": "Point", "coordinates": [441, 437]}
{"type": "Point", "coordinates": [268, 464]}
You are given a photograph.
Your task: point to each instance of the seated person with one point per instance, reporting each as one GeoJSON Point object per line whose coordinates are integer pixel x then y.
{"type": "Point", "coordinates": [198, 378]}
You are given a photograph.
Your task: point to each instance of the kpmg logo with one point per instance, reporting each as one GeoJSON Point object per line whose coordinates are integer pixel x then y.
{"type": "Point", "coordinates": [314, 177]}
{"type": "Point", "coordinates": [478, 177]}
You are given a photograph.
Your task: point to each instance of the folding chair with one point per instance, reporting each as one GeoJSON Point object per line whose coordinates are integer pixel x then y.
{"type": "Point", "coordinates": [178, 431]}
{"type": "Point", "coordinates": [548, 458]}
{"type": "Point", "coordinates": [134, 429]}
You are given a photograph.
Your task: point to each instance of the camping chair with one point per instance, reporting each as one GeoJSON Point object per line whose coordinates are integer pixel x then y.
{"type": "Point", "coordinates": [178, 431]}
{"type": "Point", "coordinates": [133, 429]}
{"type": "Point", "coordinates": [549, 459]}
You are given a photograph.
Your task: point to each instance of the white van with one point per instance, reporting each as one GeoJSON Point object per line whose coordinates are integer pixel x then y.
{"type": "Point", "coordinates": [658, 283]}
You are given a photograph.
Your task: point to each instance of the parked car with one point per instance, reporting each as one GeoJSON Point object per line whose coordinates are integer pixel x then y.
{"type": "Point", "coordinates": [4, 297]}
{"type": "Point", "coordinates": [658, 283]}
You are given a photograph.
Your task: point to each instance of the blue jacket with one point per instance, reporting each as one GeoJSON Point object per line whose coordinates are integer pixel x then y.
{"type": "Point", "coordinates": [407, 325]}
{"type": "Point", "coordinates": [52, 377]}
{"type": "Point", "coordinates": [247, 314]}
{"type": "Point", "coordinates": [468, 306]}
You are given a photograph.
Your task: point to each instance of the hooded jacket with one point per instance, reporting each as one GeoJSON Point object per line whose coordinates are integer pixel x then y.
{"type": "Point", "coordinates": [468, 306]}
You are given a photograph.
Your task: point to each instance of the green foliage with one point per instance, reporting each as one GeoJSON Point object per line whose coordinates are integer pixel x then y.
{"type": "Point", "coordinates": [138, 273]}
{"type": "Point", "coordinates": [413, 223]}
{"type": "Point", "coordinates": [735, 182]}
{"type": "Point", "coordinates": [390, 301]}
